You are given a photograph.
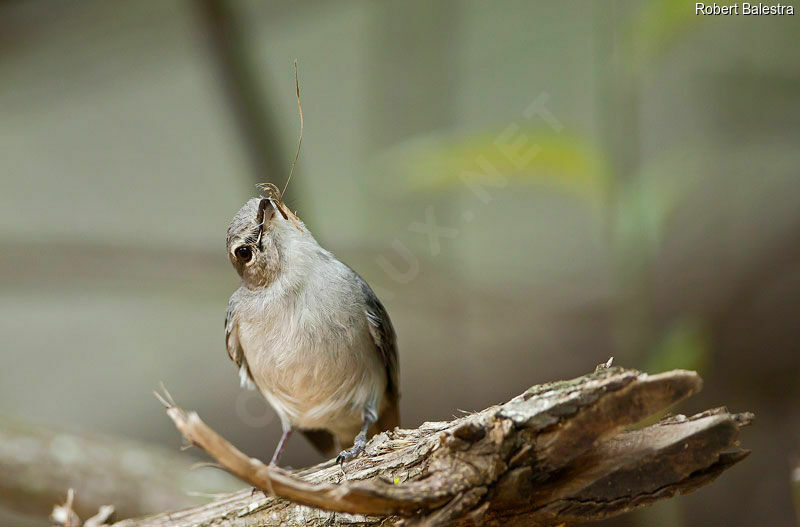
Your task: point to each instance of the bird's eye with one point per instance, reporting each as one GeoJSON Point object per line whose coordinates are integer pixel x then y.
{"type": "Point", "coordinates": [244, 253]}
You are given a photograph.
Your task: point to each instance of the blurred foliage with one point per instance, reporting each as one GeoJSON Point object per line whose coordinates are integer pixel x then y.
{"type": "Point", "coordinates": [439, 162]}
{"type": "Point", "coordinates": [655, 27]}
{"type": "Point", "coordinates": [645, 204]}
{"type": "Point", "coordinates": [685, 345]}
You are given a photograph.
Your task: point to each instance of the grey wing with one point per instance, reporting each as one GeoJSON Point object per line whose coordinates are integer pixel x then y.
{"type": "Point", "coordinates": [234, 347]}
{"type": "Point", "coordinates": [382, 331]}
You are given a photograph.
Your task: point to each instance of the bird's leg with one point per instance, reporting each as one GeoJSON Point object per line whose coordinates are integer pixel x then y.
{"type": "Point", "coordinates": [370, 416]}
{"type": "Point", "coordinates": [287, 432]}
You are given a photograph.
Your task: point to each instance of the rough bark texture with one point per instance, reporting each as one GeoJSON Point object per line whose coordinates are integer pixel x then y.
{"type": "Point", "coordinates": [558, 453]}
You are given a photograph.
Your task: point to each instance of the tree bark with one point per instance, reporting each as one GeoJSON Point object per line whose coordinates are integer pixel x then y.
{"type": "Point", "coordinates": [558, 453]}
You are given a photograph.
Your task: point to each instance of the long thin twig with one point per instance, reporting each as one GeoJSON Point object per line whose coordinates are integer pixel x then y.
{"type": "Point", "coordinates": [346, 497]}
{"type": "Point", "coordinates": [300, 139]}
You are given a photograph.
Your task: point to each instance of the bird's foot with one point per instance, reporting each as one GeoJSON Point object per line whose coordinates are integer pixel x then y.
{"type": "Point", "coordinates": [256, 490]}
{"type": "Point", "coordinates": [358, 446]}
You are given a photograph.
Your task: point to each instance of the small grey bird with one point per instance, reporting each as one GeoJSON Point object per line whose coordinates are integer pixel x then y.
{"type": "Point", "coordinates": [308, 332]}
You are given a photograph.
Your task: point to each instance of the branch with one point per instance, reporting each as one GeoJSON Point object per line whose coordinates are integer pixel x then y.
{"type": "Point", "coordinates": [557, 453]}
{"type": "Point", "coordinates": [38, 465]}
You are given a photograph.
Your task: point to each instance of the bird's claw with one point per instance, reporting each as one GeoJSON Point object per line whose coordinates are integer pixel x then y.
{"type": "Point", "coordinates": [345, 455]}
{"type": "Point", "coordinates": [350, 453]}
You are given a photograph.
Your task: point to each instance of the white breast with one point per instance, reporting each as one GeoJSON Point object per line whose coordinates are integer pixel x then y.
{"type": "Point", "coordinates": [312, 356]}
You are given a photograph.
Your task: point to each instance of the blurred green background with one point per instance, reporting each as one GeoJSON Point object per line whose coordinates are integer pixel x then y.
{"type": "Point", "coordinates": [531, 187]}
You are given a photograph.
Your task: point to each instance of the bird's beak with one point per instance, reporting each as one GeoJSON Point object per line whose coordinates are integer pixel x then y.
{"type": "Point", "coordinates": [262, 209]}
{"type": "Point", "coordinates": [263, 205]}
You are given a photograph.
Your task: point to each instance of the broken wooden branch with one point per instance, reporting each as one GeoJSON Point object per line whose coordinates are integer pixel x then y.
{"type": "Point", "coordinates": [65, 516]}
{"type": "Point", "coordinates": [559, 452]}
{"type": "Point", "coordinates": [38, 464]}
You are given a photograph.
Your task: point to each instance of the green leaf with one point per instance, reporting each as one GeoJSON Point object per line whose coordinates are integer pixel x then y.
{"type": "Point", "coordinates": [513, 156]}
{"type": "Point", "coordinates": [686, 345]}
{"type": "Point", "coordinates": [656, 26]}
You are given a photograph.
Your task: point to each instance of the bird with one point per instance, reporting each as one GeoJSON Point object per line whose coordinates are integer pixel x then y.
{"type": "Point", "coordinates": [308, 333]}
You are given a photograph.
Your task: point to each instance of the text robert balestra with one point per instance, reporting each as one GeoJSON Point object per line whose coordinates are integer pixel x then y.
{"type": "Point", "coordinates": [743, 9]}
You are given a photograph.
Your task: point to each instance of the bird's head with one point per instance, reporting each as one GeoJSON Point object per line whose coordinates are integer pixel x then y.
{"type": "Point", "coordinates": [264, 238]}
